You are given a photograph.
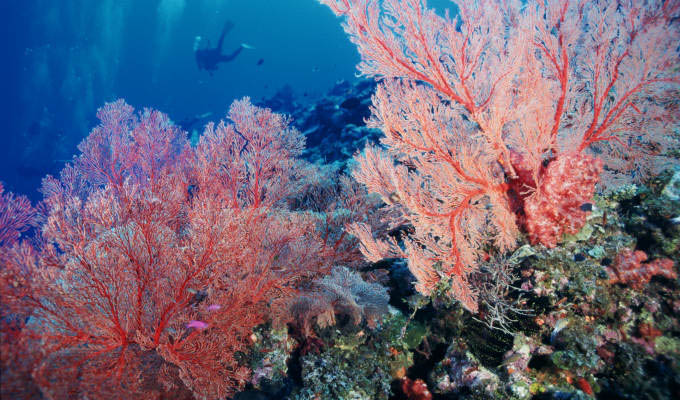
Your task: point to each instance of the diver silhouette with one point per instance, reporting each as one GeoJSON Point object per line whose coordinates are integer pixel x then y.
{"type": "Point", "coordinates": [209, 58]}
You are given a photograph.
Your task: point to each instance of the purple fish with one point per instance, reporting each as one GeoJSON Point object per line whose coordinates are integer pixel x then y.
{"type": "Point", "coordinates": [200, 325]}
{"type": "Point", "coordinates": [214, 307]}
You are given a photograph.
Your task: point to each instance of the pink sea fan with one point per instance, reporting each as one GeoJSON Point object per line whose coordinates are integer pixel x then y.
{"type": "Point", "coordinates": [501, 118]}
{"type": "Point", "coordinates": [16, 216]}
{"type": "Point", "coordinates": [134, 229]}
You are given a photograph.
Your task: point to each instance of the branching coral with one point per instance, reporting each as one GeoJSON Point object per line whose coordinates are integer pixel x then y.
{"type": "Point", "coordinates": [16, 216]}
{"type": "Point", "coordinates": [156, 260]}
{"type": "Point", "coordinates": [498, 120]}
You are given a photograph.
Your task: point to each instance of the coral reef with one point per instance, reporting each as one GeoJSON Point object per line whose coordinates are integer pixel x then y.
{"type": "Point", "coordinates": [156, 260]}
{"type": "Point", "coordinates": [502, 118]}
{"type": "Point", "coordinates": [333, 125]}
{"type": "Point", "coordinates": [520, 239]}
{"type": "Point", "coordinates": [552, 322]}
{"type": "Point", "coordinates": [360, 364]}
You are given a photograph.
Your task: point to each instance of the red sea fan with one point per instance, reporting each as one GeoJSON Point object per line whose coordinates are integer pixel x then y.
{"type": "Point", "coordinates": [17, 261]}
{"type": "Point", "coordinates": [250, 162]}
{"type": "Point", "coordinates": [139, 245]}
{"type": "Point", "coordinates": [130, 146]}
{"type": "Point", "coordinates": [16, 216]}
{"type": "Point", "coordinates": [492, 117]}
{"type": "Point", "coordinates": [18, 355]}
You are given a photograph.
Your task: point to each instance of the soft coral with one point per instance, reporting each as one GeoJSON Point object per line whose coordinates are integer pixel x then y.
{"type": "Point", "coordinates": [490, 118]}
{"type": "Point", "coordinates": [630, 268]}
{"type": "Point", "coordinates": [143, 235]}
{"type": "Point", "coordinates": [16, 216]}
{"type": "Point", "coordinates": [557, 206]}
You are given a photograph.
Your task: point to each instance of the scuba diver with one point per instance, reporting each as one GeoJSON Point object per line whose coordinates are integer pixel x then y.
{"type": "Point", "coordinates": [208, 58]}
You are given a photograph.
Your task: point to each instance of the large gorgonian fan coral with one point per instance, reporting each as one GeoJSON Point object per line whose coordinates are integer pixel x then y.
{"type": "Point", "coordinates": [156, 260]}
{"type": "Point", "coordinates": [493, 117]}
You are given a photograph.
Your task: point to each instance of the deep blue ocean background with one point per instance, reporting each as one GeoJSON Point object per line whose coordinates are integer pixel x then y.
{"type": "Point", "coordinates": [62, 59]}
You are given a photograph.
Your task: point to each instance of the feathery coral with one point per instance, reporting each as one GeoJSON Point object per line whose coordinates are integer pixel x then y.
{"type": "Point", "coordinates": [143, 235]}
{"type": "Point", "coordinates": [16, 216]}
{"type": "Point", "coordinates": [490, 118]}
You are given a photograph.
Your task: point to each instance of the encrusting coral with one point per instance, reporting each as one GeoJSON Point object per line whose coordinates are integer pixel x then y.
{"type": "Point", "coordinates": [630, 268]}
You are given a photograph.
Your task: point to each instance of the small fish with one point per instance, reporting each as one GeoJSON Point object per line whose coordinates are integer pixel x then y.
{"type": "Point", "coordinates": [199, 296]}
{"type": "Point", "coordinates": [200, 325]}
{"type": "Point", "coordinates": [559, 326]}
{"type": "Point", "coordinates": [260, 61]}
{"type": "Point", "coordinates": [587, 207]}
{"type": "Point", "coordinates": [579, 257]}
{"type": "Point", "coordinates": [512, 359]}
{"type": "Point", "coordinates": [247, 46]}
{"type": "Point", "coordinates": [214, 307]}
{"type": "Point", "coordinates": [378, 275]}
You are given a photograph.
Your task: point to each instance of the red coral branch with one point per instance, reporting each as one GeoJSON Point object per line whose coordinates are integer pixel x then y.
{"type": "Point", "coordinates": [489, 117]}
{"type": "Point", "coordinates": [137, 243]}
{"type": "Point", "coordinates": [16, 216]}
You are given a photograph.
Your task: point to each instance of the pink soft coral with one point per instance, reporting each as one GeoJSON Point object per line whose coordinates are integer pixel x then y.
{"type": "Point", "coordinates": [630, 268]}
{"type": "Point", "coordinates": [490, 118]}
{"type": "Point", "coordinates": [557, 206]}
{"type": "Point", "coordinates": [16, 216]}
{"type": "Point", "coordinates": [143, 236]}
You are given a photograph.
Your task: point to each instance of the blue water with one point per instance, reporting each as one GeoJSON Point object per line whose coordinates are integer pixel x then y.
{"type": "Point", "coordinates": [62, 59]}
